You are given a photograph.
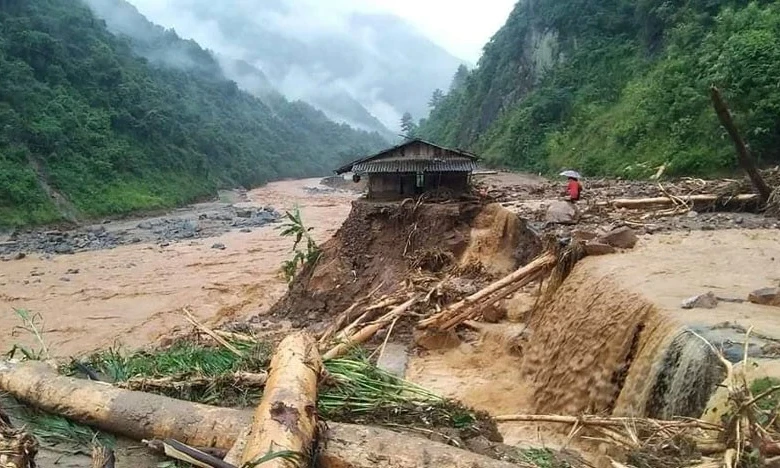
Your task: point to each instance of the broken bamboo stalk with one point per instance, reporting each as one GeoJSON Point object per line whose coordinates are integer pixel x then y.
{"type": "Point", "coordinates": [656, 202]}
{"type": "Point", "coordinates": [145, 416]}
{"type": "Point", "coordinates": [286, 418]}
{"type": "Point", "coordinates": [538, 265]}
{"type": "Point", "coordinates": [743, 153]}
{"type": "Point", "coordinates": [500, 294]}
{"type": "Point", "coordinates": [365, 334]}
{"type": "Point", "coordinates": [245, 379]}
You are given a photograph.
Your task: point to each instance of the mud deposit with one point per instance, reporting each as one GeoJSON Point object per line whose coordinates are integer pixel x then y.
{"type": "Point", "coordinates": [132, 294]}
{"type": "Point", "coordinates": [382, 246]}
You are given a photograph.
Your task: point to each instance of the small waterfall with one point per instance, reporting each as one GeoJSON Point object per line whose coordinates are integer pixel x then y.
{"type": "Point", "coordinates": [600, 349]}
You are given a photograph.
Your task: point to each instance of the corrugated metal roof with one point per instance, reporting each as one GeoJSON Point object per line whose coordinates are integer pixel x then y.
{"type": "Point", "coordinates": [437, 165]}
{"type": "Point", "coordinates": [382, 154]}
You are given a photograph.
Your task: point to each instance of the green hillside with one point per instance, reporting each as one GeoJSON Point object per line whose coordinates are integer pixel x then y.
{"type": "Point", "coordinates": [619, 87]}
{"type": "Point", "coordinates": [88, 128]}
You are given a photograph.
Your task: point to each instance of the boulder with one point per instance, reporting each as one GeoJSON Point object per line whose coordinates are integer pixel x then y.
{"type": "Point", "coordinates": [702, 301]}
{"type": "Point", "coordinates": [598, 248]}
{"type": "Point", "coordinates": [583, 235]}
{"type": "Point", "coordinates": [561, 212]}
{"type": "Point", "coordinates": [433, 340]}
{"type": "Point", "coordinates": [219, 246]}
{"type": "Point", "coordinates": [621, 238]}
{"type": "Point", "coordinates": [765, 296]}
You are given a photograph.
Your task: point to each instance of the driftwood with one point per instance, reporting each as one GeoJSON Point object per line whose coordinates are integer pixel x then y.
{"type": "Point", "coordinates": [143, 416]}
{"type": "Point", "coordinates": [103, 457]}
{"type": "Point", "coordinates": [286, 418]}
{"type": "Point", "coordinates": [743, 153]}
{"type": "Point", "coordinates": [458, 312]}
{"type": "Point", "coordinates": [365, 334]}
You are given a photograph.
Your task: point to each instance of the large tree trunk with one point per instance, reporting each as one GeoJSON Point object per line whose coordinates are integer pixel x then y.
{"type": "Point", "coordinates": [144, 416]}
{"type": "Point", "coordinates": [743, 154]}
{"type": "Point", "coordinates": [286, 419]}
{"type": "Point", "coordinates": [658, 202]}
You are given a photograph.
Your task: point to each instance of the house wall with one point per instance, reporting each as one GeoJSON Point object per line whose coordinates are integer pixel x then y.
{"type": "Point", "coordinates": [402, 185]}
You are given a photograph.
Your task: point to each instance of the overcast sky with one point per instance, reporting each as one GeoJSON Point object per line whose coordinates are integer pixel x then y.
{"type": "Point", "coordinates": [460, 26]}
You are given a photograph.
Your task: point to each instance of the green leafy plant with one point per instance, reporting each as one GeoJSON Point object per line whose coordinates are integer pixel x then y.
{"type": "Point", "coordinates": [32, 324]}
{"type": "Point", "coordinates": [295, 227]}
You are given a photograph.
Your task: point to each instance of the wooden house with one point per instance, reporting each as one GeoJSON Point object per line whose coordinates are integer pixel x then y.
{"type": "Point", "coordinates": [412, 168]}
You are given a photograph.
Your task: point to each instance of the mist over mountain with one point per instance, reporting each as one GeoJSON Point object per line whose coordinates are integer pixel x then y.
{"type": "Point", "coordinates": [359, 67]}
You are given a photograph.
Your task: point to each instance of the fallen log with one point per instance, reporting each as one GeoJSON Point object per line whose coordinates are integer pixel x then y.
{"type": "Point", "coordinates": [445, 317]}
{"type": "Point", "coordinates": [657, 202]}
{"type": "Point", "coordinates": [243, 379]}
{"type": "Point", "coordinates": [132, 414]}
{"type": "Point", "coordinates": [605, 421]}
{"type": "Point", "coordinates": [286, 418]}
{"type": "Point", "coordinates": [143, 416]}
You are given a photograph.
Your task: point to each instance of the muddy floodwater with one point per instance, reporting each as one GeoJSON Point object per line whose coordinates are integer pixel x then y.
{"type": "Point", "coordinates": [133, 294]}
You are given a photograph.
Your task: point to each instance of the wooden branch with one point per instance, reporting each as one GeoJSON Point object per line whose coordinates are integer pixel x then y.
{"type": "Point", "coordinates": [606, 421]}
{"type": "Point", "coordinates": [286, 418]}
{"type": "Point", "coordinates": [743, 154]}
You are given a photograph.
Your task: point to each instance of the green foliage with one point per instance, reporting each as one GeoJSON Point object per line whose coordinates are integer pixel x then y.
{"type": "Point", "coordinates": [83, 116]}
{"type": "Point", "coordinates": [772, 401]}
{"type": "Point", "coordinates": [619, 88]}
{"type": "Point", "coordinates": [295, 227]}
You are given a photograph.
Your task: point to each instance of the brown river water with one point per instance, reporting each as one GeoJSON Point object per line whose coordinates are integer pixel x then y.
{"type": "Point", "coordinates": [133, 294]}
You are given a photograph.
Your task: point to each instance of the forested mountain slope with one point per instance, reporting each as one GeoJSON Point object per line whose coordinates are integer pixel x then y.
{"type": "Point", "coordinates": [88, 124]}
{"type": "Point", "coordinates": [619, 87]}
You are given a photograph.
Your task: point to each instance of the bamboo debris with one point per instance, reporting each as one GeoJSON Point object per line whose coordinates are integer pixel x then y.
{"type": "Point", "coordinates": [286, 419]}
{"type": "Point", "coordinates": [365, 334]}
{"type": "Point", "coordinates": [460, 311]}
{"type": "Point", "coordinates": [17, 447]}
{"type": "Point", "coordinates": [103, 457]}
{"type": "Point", "coordinates": [191, 318]}
{"type": "Point", "coordinates": [369, 314]}
{"type": "Point", "coordinates": [244, 379]}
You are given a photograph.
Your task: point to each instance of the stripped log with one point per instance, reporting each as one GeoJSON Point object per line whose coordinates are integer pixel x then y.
{"type": "Point", "coordinates": [365, 334]}
{"type": "Point", "coordinates": [101, 405]}
{"type": "Point", "coordinates": [446, 318]}
{"type": "Point", "coordinates": [658, 202]}
{"type": "Point", "coordinates": [286, 418]}
{"type": "Point", "coordinates": [132, 414]}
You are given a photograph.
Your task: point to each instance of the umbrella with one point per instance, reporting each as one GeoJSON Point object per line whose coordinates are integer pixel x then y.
{"type": "Point", "coordinates": [573, 174]}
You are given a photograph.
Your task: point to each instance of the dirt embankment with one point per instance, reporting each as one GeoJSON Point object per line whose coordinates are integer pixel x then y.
{"type": "Point", "coordinates": [380, 246]}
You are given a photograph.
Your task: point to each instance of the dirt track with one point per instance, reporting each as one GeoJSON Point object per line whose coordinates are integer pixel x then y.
{"type": "Point", "coordinates": [132, 294]}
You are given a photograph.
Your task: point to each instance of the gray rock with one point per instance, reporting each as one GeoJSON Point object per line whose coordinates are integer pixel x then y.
{"type": "Point", "coordinates": [561, 212]}
{"type": "Point", "coordinates": [145, 225]}
{"type": "Point", "coordinates": [621, 238]}
{"type": "Point", "coordinates": [765, 296]}
{"type": "Point", "coordinates": [246, 230]}
{"type": "Point", "coordinates": [219, 246]}
{"type": "Point", "coordinates": [72, 271]}
{"type": "Point", "coordinates": [65, 279]}
{"type": "Point", "coordinates": [64, 249]}
{"type": "Point", "coordinates": [702, 301]}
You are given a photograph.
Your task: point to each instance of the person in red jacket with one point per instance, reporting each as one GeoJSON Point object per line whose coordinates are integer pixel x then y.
{"type": "Point", "coordinates": [574, 189]}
